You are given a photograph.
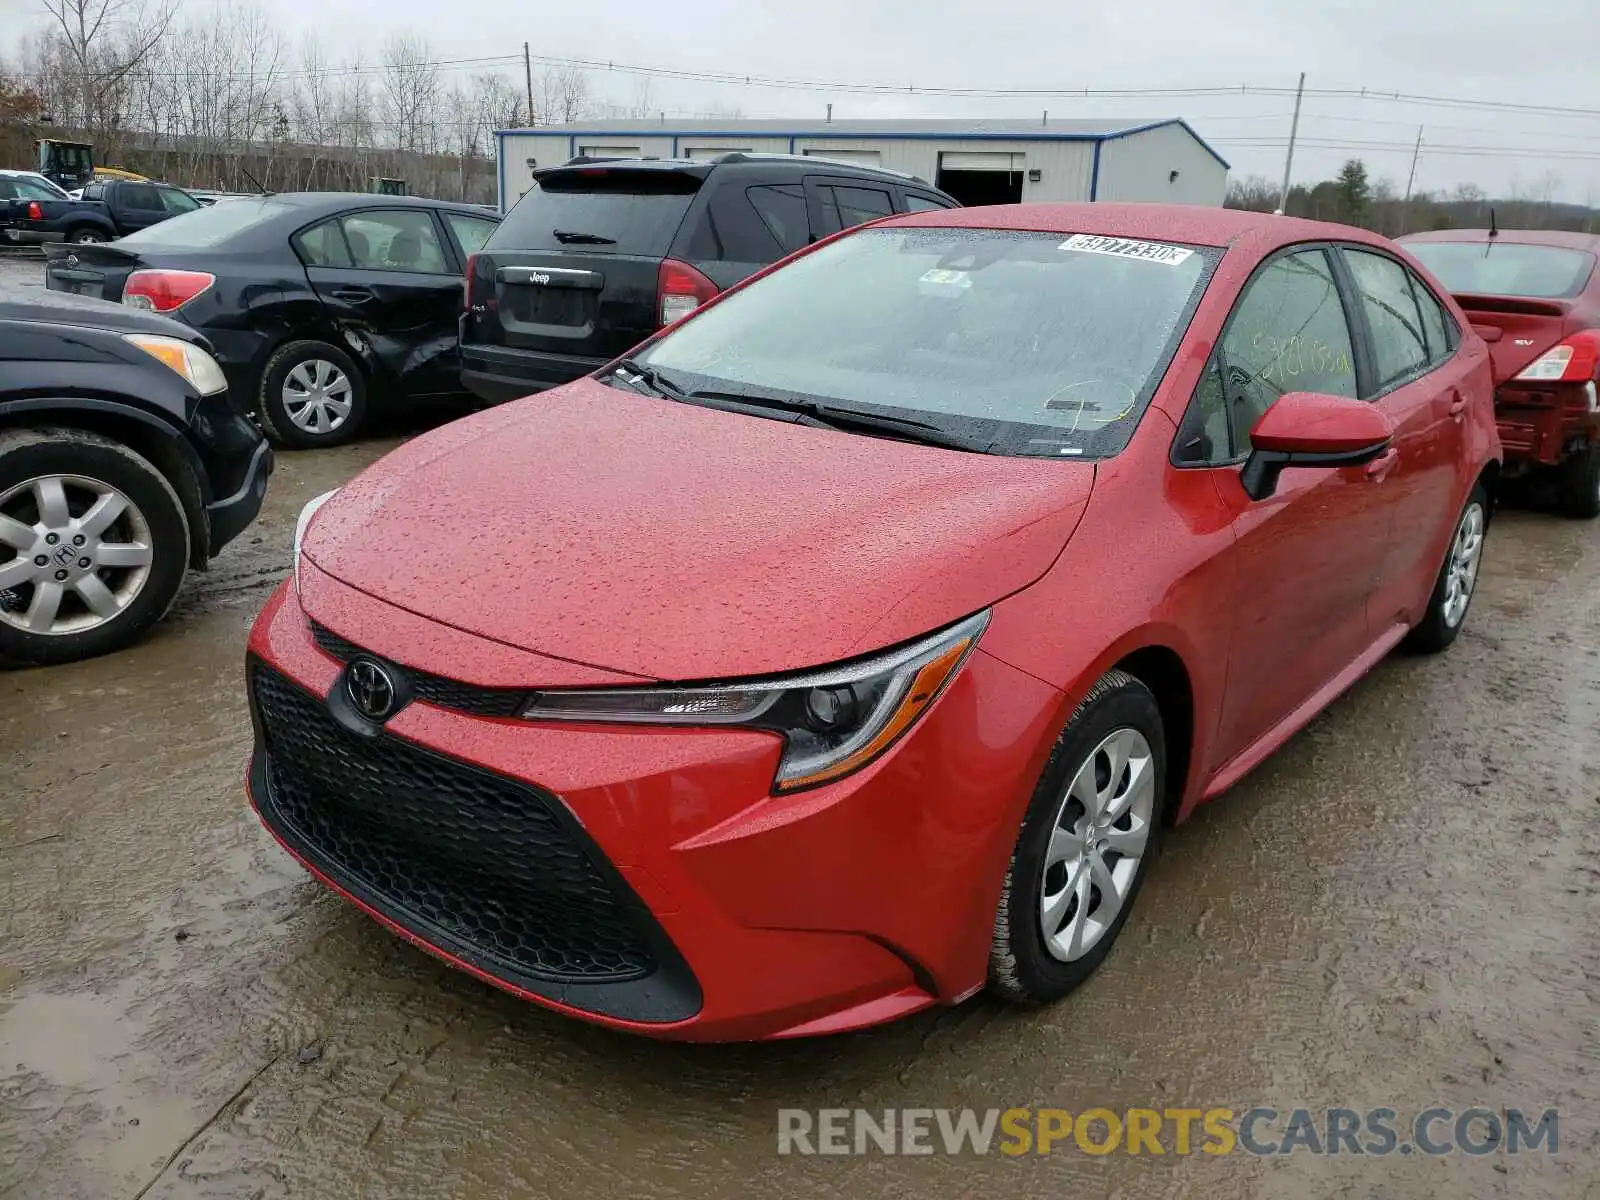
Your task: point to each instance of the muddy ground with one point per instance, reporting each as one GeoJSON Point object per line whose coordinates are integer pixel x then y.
{"type": "Point", "coordinates": [1400, 909]}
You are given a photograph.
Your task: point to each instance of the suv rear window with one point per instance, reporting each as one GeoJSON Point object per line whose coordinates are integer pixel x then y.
{"type": "Point", "coordinates": [1506, 268]}
{"type": "Point", "coordinates": [598, 210]}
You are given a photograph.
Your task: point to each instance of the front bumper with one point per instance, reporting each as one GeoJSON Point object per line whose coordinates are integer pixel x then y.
{"type": "Point", "coordinates": [228, 517]}
{"type": "Point", "coordinates": [762, 916]}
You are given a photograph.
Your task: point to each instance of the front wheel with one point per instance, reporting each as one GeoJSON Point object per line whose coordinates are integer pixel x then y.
{"type": "Point", "coordinates": [1091, 829]}
{"type": "Point", "coordinates": [1457, 581]}
{"type": "Point", "coordinates": [94, 543]}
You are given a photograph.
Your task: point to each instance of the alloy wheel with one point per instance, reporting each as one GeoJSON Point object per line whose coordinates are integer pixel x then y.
{"type": "Point", "coordinates": [1461, 571]}
{"type": "Point", "coordinates": [1097, 844]}
{"type": "Point", "coordinates": [81, 552]}
{"type": "Point", "coordinates": [317, 395]}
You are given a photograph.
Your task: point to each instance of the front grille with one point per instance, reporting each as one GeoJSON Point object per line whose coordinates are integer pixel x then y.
{"type": "Point", "coordinates": [477, 864]}
{"type": "Point", "coordinates": [434, 689]}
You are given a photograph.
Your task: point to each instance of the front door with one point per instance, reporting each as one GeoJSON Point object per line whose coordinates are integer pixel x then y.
{"type": "Point", "coordinates": [388, 279]}
{"type": "Point", "coordinates": [1418, 381]}
{"type": "Point", "coordinates": [1306, 559]}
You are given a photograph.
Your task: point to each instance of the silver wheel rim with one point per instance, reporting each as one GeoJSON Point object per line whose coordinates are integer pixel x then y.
{"type": "Point", "coordinates": [74, 553]}
{"type": "Point", "coordinates": [1097, 844]}
{"type": "Point", "coordinates": [317, 396]}
{"type": "Point", "coordinates": [88, 239]}
{"type": "Point", "coordinates": [1461, 568]}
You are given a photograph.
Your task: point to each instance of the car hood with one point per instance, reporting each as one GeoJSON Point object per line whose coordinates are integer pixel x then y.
{"type": "Point", "coordinates": [675, 542]}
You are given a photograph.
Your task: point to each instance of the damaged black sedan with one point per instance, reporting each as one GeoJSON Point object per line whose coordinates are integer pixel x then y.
{"type": "Point", "coordinates": [321, 306]}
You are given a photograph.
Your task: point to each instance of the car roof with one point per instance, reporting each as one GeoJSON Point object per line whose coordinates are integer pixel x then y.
{"type": "Point", "coordinates": [734, 159]}
{"type": "Point", "coordinates": [1522, 237]}
{"type": "Point", "coordinates": [317, 202]}
{"type": "Point", "coordinates": [1191, 224]}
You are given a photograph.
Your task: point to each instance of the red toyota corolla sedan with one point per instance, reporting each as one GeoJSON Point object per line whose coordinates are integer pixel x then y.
{"type": "Point", "coordinates": [846, 649]}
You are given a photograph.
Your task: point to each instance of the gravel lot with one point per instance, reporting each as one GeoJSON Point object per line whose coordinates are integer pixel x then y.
{"type": "Point", "coordinates": [1399, 909]}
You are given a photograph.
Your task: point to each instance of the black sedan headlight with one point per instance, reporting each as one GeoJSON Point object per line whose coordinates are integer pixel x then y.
{"type": "Point", "coordinates": [833, 721]}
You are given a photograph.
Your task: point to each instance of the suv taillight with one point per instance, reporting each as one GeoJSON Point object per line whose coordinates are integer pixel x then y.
{"type": "Point", "coordinates": [466, 284]}
{"type": "Point", "coordinates": [164, 291]}
{"type": "Point", "coordinates": [35, 211]}
{"type": "Point", "coordinates": [1572, 361]}
{"type": "Point", "coordinates": [680, 289]}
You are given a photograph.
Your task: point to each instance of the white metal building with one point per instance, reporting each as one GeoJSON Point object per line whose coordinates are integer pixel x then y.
{"type": "Point", "coordinates": [978, 162]}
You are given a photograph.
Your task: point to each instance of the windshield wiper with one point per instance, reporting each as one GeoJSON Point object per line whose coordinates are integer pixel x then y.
{"type": "Point", "coordinates": [568, 237]}
{"type": "Point", "coordinates": [837, 417]}
{"type": "Point", "coordinates": [650, 377]}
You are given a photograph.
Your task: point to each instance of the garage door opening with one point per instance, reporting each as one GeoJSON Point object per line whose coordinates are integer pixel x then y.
{"type": "Point", "coordinates": [982, 178]}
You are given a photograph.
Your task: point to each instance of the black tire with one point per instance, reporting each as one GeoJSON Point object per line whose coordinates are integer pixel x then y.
{"type": "Point", "coordinates": [86, 235]}
{"type": "Point", "coordinates": [1578, 484]}
{"type": "Point", "coordinates": [1021, 968]}
{"type": "Point", "coordinates": [28, 453]}
{"type": "Point", "coordinates": [1436, 631]}
{"type": "Point", "coordinates": [274, 413]}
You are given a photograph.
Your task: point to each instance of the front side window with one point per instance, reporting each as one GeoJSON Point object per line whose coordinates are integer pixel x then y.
{"type": "Point", "coordinates": [394, 241]}
{"type": "Point", "coordinates": [177, 202]}
{"type": "Point", "coordinates": [1399, 346]}
{"type": "Point", "coordinates": [1031, 343]}
{"type": "Point", "coordinates": [1288, 333]}
{"type": "Point", "coordinates": [1436, 325]}
{"type": "Point", "coordinates": [141, 197]}
{"type": "Point", "coordinates": [916, 203]}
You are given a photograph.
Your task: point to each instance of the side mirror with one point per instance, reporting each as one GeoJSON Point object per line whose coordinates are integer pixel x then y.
{"type": "Point", "coordinates": [1308, 429]}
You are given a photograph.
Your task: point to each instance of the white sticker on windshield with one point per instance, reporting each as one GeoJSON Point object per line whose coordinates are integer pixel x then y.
{"type": "Point", "coordinates": [958, 279]}
{"type": "Point", "coordinates": [1157, 252]}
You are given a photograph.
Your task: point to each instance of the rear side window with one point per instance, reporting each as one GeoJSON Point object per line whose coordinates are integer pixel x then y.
{"type": "Point", "coordinates": [598, 210]}
{"type": "Point", "coordinates": [916, 203]}
{"type": "Point", "coordinates": [1438, 327]}
{"type": "Point", "coordinates": [1399, 346]}
{"type": "Point", "coordinates": [394, 241]}
{"type": "Point", "coordinates": [782, 209]}
{"type": "Point", "coordinates": [176, 202]}
{"type": "Point", "coordinates": [324, 246]}
{"type": "Point", "coordinates": [141, 197]}
{"type": "Point", "coordinates": [29, 189]}
{"type": "Point", "coordinates": [730, 230]}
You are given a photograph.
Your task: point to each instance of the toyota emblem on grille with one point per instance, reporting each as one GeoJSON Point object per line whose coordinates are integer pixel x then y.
{"type": "Point", "coordinates": [371, 689]}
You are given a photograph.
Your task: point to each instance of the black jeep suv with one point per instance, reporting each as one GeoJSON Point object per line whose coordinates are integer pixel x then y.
{"type": "Point", "coordinates": [601, 253]}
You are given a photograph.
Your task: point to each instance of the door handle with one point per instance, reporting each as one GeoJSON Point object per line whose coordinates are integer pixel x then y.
{"type": "Point", "coordinates": [1458, 405]}
{"type": "Point", "coordinates": [1378, 469]}
{"type": "Point", "coordinates": [352, 295]}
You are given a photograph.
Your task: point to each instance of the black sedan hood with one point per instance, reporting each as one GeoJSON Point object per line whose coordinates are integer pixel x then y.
{"type": "Point", "coordinates": [38, 306]}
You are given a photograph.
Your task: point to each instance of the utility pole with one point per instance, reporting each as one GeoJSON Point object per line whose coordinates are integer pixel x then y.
{"type": "Point", "coordinates": [1415, 154]}
{"type": "Point", "coordinates": [527, 74]}
{"type": "Point", "coordinates": [1294, 130]}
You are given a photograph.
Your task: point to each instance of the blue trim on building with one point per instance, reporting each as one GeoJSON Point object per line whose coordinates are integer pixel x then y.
{"type": "Point", "coordinates": [1094, 174]}
{"type": "Point", "coordinates": [675, 145]}
{"type": "Point", "coordinates": [791, 144]}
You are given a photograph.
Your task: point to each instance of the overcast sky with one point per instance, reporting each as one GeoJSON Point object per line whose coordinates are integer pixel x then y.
{"type": "Point", "coordinates": [1484, 50]}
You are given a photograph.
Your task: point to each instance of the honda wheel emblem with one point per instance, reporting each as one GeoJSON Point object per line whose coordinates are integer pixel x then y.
{"type": "Point", "coordinates": [371, 689]}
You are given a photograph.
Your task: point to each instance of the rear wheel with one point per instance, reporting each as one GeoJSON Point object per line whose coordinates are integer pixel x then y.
{"type": "Point", "coordinates": [1578, 484]}
{"type": "Point", "coordinates": [312, 394]}
{"type": "Point", "coordinates": [86, 236]}
{"type": "Point", "coordinates": [1457, 581]}
{"type": "Point", "coordinates": [1090, 831]}
{"type": "Point", "coordinates": [94, 543]}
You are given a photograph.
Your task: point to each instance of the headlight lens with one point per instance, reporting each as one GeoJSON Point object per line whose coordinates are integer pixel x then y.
{"type": "Point", "coordinates": [302, 523]}
{"type": "Point", "coordinates": [187, 359]}
{"type": "Point", "coordinates": [833, 721]}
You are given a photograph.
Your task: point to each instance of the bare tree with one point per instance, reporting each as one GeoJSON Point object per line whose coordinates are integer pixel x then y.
{"type": "Point", "coordinates": [562, 95]}
{"type": "Point", "coordinates": [100, 43]}
{"type": "Point", "coordinates": [410, 92]}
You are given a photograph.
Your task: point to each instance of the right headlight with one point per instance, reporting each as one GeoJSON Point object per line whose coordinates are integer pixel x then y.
{"type": "Point", "coordinates": [834, 721]}
{"type": "Point", "coordinates": [302, 523]}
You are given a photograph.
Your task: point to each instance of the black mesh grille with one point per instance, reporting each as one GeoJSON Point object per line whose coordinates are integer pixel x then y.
{"type": "Point", "coordinates": [434, 689]}
{"type": "Point", "coordinates": [465, 858]}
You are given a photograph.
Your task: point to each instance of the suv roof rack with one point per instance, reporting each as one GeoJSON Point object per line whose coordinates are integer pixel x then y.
{"type": "Point", "coordinates": [736, 156]}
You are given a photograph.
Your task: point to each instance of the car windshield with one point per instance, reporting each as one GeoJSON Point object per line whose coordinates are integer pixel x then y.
{"type": "Point", "coordinates": [1033, 343]}
{"type": "Point", "coordinates": [206, 227]}
{"type": "Point", "coordinates": [1506, 268]}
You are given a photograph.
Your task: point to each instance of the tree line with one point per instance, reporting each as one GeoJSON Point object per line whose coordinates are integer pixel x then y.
{"type": "Point", "coordinates": [1352, 197]}
{"type": "Point", "coordinates": [218, 96]}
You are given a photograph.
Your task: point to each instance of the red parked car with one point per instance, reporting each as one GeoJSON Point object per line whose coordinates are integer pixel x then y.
{"type": "Point", "coordinates": [847, 648]}
{"type": "Point", "coordinates": [1534, 296]}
